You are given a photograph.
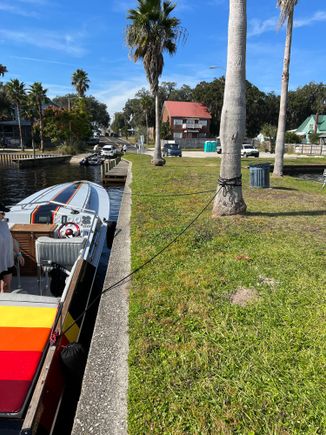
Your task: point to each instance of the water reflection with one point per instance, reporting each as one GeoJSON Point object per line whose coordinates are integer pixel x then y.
{"type": "Point", "coordinates": [16, 184]}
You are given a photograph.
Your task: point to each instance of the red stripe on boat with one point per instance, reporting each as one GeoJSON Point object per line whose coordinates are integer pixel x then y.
{"type": "Point", "coordinates": [18, 365]}
{"type": "Point", "coordinates": [12, 395]}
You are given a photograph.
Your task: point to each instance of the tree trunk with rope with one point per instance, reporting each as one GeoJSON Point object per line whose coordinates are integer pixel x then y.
{"type": "Point", "coordinates": [229, 199]}
{"type": "Point", "coordinates": [157, 159]}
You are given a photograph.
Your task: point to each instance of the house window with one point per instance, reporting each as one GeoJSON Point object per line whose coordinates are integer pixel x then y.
{"type": "Point", "coordinates": [203, 122]}
{"type": "Point", "coordinates": [177, 135]}
{"type": "Point", "coordinates": [177, 121]}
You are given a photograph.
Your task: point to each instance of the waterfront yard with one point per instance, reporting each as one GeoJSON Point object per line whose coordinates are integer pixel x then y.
{"type": "Point", "coordinates": [227, 331]}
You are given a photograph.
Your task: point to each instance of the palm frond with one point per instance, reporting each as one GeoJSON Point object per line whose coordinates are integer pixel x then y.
{"type": "Point", "coordinates": [286, 8]}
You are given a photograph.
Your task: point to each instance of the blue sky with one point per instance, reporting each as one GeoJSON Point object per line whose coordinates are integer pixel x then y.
{"type": "Point", "coordinates": [47, 40]}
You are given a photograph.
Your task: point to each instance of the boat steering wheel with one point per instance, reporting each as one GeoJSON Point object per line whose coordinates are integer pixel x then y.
{"type": "Point", "coordinates": [68, 230]}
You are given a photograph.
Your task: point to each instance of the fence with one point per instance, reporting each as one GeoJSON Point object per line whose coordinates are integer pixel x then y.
{"type": "Point", "coordinates": [8, 158]}
{"type": "Point", "coordinates": [190, 143]}
{"type": "Point", "coordinates": [310, 149]}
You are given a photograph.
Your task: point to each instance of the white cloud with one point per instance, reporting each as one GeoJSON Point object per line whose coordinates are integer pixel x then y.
{"type": "Point", "coordinates": [12, 9]}
{"type": "Point", "coordinates": [257, 27]}
{"type": "Point", "coordinates": [42, 60]}
{"type": "Point", "coordinates": [317, 17]}
{"type": "Point", "coordinates": [123, 5]}
{"type": "Point", "coordinates": [59, 41]}
{"type": "Point", "coordinates": [116, 93]}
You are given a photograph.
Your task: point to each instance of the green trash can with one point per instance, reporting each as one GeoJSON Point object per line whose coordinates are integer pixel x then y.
{"type": "Point", "coordinates": [259, 175]}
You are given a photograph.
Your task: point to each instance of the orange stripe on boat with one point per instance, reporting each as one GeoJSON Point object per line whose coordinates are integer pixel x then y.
{"type": "Point", "coordinates": [27, 339]}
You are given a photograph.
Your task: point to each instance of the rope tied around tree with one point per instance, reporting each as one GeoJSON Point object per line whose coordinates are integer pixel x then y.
{"type": "Point", "coordinates": [227, 184]}
{"type": "Point", "coordinates": [235, 181]}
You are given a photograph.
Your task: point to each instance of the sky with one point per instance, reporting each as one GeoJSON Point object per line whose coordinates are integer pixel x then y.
{"type": "Point", "coordinates": [47, 40]}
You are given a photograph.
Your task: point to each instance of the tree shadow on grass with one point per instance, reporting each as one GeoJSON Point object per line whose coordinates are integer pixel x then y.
{"type": "Point", "coordinates": [288, 213]}
{"type": "Point", "coordinates": [284, 188]}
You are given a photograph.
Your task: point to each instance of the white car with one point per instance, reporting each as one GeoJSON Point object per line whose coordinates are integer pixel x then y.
{"type": "Point", "coordinates": [109, 151]}
{"type": "Point", "coordinates": [248, 150]}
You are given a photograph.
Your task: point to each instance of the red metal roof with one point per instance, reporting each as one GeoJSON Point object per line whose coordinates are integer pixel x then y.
{"type": "Point", "coordinates": [187, 110]}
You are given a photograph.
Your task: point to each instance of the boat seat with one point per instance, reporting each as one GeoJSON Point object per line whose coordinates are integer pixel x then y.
{"type": "Point", "coordinates": [58, 251]}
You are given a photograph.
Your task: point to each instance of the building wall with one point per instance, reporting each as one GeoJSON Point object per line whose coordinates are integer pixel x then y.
{"type": "Point", "coordinates": [187, 127]}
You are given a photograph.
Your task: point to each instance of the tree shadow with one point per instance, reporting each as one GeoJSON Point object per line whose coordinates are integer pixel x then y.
{"type": "Point", "coordinates": [284, 188]}
{"type": "Point", "coordinates": [288, 213]}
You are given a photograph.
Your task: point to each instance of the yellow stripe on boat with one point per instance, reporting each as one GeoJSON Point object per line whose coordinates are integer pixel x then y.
{"type": "Point", "coordinates": [28, 317]}
{"type": "Point", "coordinates": [73, 332]}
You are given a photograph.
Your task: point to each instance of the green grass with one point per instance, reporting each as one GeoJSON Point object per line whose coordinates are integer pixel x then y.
{"type": "Point", "coordinates": [198, 363]}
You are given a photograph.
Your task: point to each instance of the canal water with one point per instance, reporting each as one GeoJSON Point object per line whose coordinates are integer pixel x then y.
{"type": "Point", "coordinates": [15, 185]}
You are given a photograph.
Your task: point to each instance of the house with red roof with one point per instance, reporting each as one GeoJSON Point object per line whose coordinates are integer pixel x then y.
{"type": "Point", "coordinates": [187, 120]}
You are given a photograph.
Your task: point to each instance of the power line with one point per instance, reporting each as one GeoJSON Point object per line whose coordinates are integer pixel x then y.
{"type": "Point", "coordinates": [146, 262]}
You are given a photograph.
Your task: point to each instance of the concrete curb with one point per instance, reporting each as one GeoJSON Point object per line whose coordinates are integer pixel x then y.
{"type": "Point", "coordinates": [102, 407]}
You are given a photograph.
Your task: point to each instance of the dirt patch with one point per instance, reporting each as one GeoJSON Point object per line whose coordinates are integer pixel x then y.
{"type": "Point", "coordinates": [244, 296]}
{"type": "Point", "coordinates": [270, 282]}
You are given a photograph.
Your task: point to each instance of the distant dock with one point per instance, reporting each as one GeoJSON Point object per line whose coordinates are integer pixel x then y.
{"type": "Point", "coordinates": [26, 160]}
{"type": "Point", "coordinates": [114, 171]}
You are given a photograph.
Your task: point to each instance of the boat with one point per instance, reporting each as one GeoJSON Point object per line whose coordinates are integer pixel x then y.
{"type": "Point", "coordinates": [61, 231]}
{"type": "Point", "coordinates": [92, 160]}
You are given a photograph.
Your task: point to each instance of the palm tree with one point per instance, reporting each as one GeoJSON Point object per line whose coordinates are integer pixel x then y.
{"type": "Point", "coordinates": [37, 96]}
{"type": "Point", "coordinates": [80, 81]}
{"type": "Point", "coordinates": [229, 200]}
{"type": "Point", "coordinates": [16, 93]}
{"type": "Point", "coordinates": [286, 13]}
{"type": "Point", "coordinates": [152, 32]}
{"type": "Point", "coordinates": [3, 70]}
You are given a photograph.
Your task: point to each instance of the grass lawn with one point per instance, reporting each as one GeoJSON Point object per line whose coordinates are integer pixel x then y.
{"type": "Point", "coordinates": [227, 326]}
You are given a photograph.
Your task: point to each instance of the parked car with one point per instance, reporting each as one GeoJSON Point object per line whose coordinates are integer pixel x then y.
{"type": "Point", "coordinates": [172, 149]}
{"type": "Point", "coordinates": [218, 148]}
{"type": "Point", "coordinates": [248, 150]}
{"type": "Point", "coordinates": [109, 152]}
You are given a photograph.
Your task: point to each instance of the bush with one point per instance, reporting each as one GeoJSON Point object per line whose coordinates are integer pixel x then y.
{"type": "Point", "coordinates": [314, 138]}
{"type": "Point", "coordinates": [291, 137]}
{"type": "Point", "coordinates": [72, 149]}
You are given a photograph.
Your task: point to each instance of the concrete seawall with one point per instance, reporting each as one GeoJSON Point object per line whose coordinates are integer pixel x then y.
{"type": "Point", "coordinates": [102, 406]}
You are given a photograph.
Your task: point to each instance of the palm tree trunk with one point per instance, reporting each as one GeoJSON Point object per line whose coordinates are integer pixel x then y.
{"type": "Point", "coordinates": [157, 159]}
{"type": "Point", "coordinates": [146, 119]}
{"type": "Point", "coordinates": [20, 128]}
{"type": "Point", "coordinates": [280, 137]}
{"type": "Point", "coordinates": [41, 129]}
{"type": "Point", "coordinates": [316, 123]}
{"type": "Point", "coordinates": [229, 200]}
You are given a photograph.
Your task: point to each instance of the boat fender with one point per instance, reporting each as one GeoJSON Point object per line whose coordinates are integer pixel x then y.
{"type": "Point", "coordinates": [110, 233]}
{"type": "Point", "coordinates": [73, 357]}
{"type": "Point", "coordinates": [58, 280]}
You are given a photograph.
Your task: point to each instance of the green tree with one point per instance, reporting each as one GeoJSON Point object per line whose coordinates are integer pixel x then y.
{"type": "Point", "coordinates": [166, 132]}
{"type": "Point", "coordinates": [67, 126]}
{"type": "Point", "coordinates": [291, 137]}
{"type": "Point", "coordinates": [229, 199]}
{"type": "Point", "coordinates": [37, 96]}
{"type": "Point", "coordinates": [211, 94]}
{"type": "Point", "coordinates": [313, 138]}
{"type": "Point", "coordinates": [80, 81]}
{"type": "Point", "coordinates": [270, 131]}
{"type": "Point", "coordinates": [286, 14]}
{"type": "Point", "coordinates": [17, 95]}
{"type": "Point", "coordinates": [3, 70]}
{"type": "Point", "coordinates": [151, 33]}
{"type": "Point", "coordinates": [119, 123]}
{"type": "Point", "coordinates": [5, 104]}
